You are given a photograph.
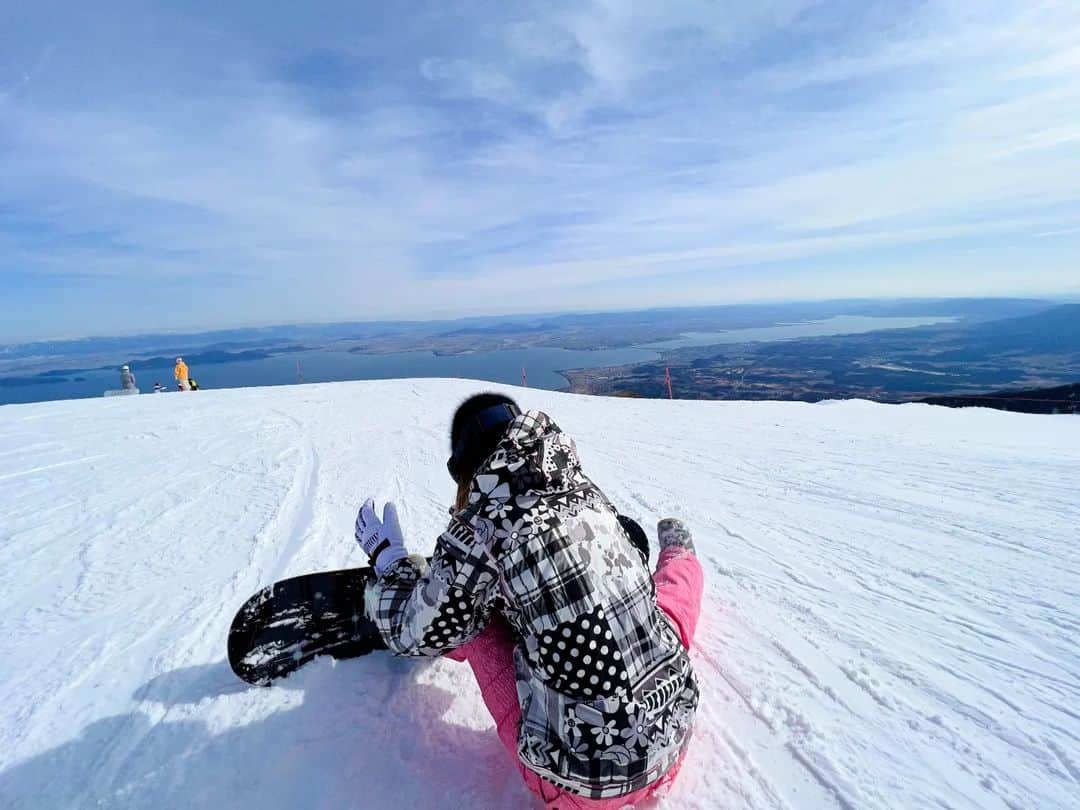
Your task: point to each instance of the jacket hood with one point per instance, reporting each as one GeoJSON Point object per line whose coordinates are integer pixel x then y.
{"type": "Point", "coordinates": [539, 457]}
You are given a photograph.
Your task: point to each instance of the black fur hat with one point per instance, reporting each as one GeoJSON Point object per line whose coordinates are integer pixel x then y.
{"type": "Point", "coordinates": [479, 423]}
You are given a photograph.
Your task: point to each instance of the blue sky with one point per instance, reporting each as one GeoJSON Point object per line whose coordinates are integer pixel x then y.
{"type": "Point", "coordinates": [181, 165]}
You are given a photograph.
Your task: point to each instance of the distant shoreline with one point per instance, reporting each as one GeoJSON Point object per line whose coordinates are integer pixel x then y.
{"type": "Point", "coordinates": [795, 352]}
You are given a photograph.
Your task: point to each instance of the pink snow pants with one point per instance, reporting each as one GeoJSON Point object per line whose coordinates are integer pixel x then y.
{"type": "Point", "coordinates": [679, 583]}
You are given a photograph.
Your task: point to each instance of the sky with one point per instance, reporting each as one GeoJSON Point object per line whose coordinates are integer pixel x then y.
{"type": "Point", "coordinates": [191, 165]}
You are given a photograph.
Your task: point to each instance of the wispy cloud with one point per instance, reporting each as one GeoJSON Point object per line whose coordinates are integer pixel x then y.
{"type": "Point", "coordinates": [195, 167]}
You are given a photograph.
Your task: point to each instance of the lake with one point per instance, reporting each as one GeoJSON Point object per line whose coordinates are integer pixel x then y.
{"type": "Point", "coordinates": [541, 364]}
{"type": "Point", "coordinates": [838, 325]}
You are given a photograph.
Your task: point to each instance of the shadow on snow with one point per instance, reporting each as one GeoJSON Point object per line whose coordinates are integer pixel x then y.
{"type": "Point", "coordinates": [362, 733]}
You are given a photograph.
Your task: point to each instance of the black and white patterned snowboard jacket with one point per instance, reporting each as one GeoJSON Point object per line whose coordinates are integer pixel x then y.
{"type": "Point", "coordinates": [606, 689]}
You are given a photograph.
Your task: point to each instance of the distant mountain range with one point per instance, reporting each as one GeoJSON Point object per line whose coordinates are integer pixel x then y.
{"type": "Point", "coordinates": [989, 346]}
{"type": "Point", "coordinates": [567, 330]}
{"type": "Point", "coordinates": [1030, 351]}
{"type": "Point", "coordinates": [1052, 330]}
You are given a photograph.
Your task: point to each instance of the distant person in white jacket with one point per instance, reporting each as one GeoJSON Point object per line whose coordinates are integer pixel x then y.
{"type": "Point", "coordinates": [127, 379]}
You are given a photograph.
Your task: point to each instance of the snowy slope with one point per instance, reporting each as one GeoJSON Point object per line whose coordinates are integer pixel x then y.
{"type": "Point", "coordinates": [891, 614]}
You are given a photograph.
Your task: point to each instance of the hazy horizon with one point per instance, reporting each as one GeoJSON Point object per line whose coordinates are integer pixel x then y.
{"type": "Point", "coordinates": [524, 314]}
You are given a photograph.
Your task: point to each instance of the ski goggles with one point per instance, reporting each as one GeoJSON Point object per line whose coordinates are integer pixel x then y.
{"type": "Point", "coordinates": [478, 425]}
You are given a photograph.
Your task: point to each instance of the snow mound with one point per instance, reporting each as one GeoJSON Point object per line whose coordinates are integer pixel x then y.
{"type": "Point", "coordinates": [891, 614]}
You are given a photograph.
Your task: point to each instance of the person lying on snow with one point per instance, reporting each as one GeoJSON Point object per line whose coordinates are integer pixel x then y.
{"type": "Point", "coordinates": [543, 588]}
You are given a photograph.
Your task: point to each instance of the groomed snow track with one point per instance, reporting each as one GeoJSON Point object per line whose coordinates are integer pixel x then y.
{"type": "Point", "coordinates": [892, 613]}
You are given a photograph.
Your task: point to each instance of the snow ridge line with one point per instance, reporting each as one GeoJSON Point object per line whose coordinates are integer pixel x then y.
{"type": "Point", "coordinates": [1066, 763]}
{"type": "Point", "coordinates": [788, 745]}
{"type": "Point", "coordinates": [57, 465]}
{"type": "Point", "coordinates": [841, 798]}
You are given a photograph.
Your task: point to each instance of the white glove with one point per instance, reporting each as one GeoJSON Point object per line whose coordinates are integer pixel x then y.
{"type": "Point", "coordinates": [380, 539]}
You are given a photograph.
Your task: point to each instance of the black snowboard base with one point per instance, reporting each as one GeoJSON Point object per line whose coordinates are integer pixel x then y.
{"type": "Point", "coordinates": [289, 623]}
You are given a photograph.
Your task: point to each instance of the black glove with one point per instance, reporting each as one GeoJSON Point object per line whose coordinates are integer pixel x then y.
{"type": "Point", "coordinates": [637, 536]}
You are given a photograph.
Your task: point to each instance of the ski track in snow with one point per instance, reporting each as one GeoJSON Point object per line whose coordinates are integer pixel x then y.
{"type": "Point", "coordinates": [891, 612]}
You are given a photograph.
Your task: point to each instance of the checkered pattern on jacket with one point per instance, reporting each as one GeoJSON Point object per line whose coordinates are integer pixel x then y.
{"type": "Point", "coordinates": [606, 688]}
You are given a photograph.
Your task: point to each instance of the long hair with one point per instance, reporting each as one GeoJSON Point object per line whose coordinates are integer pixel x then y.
{"type": "Point", "coordinates": [481, 448]}
{"type": "Point", "coordinates": [461, 500]}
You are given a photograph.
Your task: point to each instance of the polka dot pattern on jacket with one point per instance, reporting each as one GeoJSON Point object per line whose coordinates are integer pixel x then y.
{"type": "Point", "coordinates": [580, 658]}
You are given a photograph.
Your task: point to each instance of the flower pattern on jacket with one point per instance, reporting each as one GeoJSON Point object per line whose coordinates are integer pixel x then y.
{"type": "Point", "coordinates": [605, 734]}
{"type": "Point", "coordinates": [606, 689]}
{"type": "Point", "coordinates": [636, 733]}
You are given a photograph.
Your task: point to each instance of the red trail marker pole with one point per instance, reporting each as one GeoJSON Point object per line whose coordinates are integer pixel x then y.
{"type": "Point", "coordinates": [299, 373]}
{"type": "Point", "coordinates": [524, 379]}
{"type": "Point", "coordinates": [667, 379]}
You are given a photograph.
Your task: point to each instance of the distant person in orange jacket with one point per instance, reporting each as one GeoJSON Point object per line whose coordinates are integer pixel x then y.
{"type": "Point", "coordinates": [181, 374]}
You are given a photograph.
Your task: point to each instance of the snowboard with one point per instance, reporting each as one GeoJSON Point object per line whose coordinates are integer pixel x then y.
{"type": "Point", "coordinates": [289, 623]}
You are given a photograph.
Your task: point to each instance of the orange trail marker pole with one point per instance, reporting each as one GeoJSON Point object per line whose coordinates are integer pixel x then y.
{"type": "Point", "coordinates": [667, 379]}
